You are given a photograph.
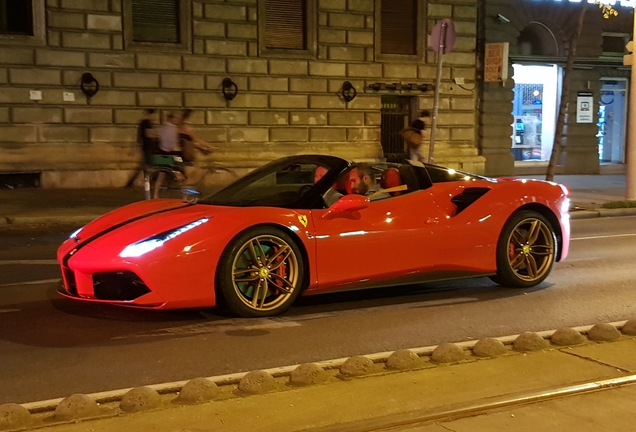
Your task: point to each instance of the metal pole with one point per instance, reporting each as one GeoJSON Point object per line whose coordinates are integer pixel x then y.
{"type": "Point", "coordinates": [630, 156]}
{"type": "Point", "coordinates": [440, 54]}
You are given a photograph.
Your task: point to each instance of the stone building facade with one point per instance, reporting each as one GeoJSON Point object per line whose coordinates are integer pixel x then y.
{"type": "Point", "coordinates": [288, 101]}
{"type": "Point", "coordinates": [538, 33]}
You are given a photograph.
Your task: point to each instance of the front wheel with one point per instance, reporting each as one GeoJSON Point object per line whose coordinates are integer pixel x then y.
{"type": "Point", "coordinates": [261, 273]}
{"type": "Point", "coordinates": [526, 250]}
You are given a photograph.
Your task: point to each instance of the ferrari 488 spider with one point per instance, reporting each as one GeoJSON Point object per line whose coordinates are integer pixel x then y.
{"type": "Point", "coordinates": [293, 227]}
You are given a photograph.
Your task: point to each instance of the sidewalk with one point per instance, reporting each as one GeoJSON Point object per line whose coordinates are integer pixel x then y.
{"type": "Point", "coordinates": [24, 207]}
{"type": "Point", "coordinates": [556, 388]}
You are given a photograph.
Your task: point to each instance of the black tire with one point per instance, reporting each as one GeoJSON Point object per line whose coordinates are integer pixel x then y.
{"type": "Point", "coordinates": [252, 287]}
{"type": "Point", "coordinates": [526, 250]}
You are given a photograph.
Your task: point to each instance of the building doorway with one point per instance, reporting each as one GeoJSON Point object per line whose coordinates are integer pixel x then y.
{"type": "Point", "coordinates": [612, 112]}
{"type": "Point", "coordinates": [534, 110]}
{"type": "Point", "coordinates": [396, 115]}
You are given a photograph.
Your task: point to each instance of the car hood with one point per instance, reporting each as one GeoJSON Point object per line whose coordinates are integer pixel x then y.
{"type": "Point", "coordinates": [147, 218]}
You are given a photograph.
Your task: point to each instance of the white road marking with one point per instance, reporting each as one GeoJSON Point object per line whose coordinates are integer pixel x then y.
{"type": "Point", "coordinates": [215, 327]}
{"type": "Point", "coordinates": [9, 310]}
{"type": "Point", "coordinates": [241, 324]}
{"type": "Point", "coordinates": [29, 262]}
{"type": "Point", "coordinates": [37, 282]}
{"type": "Point", "coordinates": [603, 237]}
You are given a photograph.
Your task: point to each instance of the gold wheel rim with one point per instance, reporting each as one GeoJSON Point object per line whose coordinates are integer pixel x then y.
{"type": "Point", "coordinates": [531, 249]}
{"type": "Point", "coordinates": [265, 272]}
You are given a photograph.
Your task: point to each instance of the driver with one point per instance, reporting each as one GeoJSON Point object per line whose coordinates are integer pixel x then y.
{"type": "Point", "coordinates": [363, 182]}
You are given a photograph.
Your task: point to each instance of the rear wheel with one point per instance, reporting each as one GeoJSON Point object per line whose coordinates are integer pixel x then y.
{"type": "Point", "coordinates": [526, 250]}
{"type": "Point", "coordinates": [261, 273]}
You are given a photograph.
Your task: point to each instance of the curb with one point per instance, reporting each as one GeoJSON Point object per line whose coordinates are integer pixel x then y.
{"type": "Point", "coordinates": [601, 212]}
{"type": "Point", "coordinates": [13, 221]}
{"type": "Point", "coordinates": [270, 380]}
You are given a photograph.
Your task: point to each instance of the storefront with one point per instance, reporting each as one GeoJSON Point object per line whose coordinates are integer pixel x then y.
{"type": "Point", "coordinates": [519, 113]}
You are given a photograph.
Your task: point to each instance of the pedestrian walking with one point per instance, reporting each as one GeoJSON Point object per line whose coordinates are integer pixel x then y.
{"type": "Point", "coordinates": [147, 139]}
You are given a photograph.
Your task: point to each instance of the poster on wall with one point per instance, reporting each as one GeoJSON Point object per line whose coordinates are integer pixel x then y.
{"type": "Point", "coordinates": [584, 108]}
{"type": "Point", "coordinates": [496, 62]}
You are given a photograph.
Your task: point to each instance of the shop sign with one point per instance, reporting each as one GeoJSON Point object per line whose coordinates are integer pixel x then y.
{"type": "Point", "coordinates": [496, 59]}
{"type": "Point", "coordinates": [624, 3]}
{"type": "Point", "coordinates": [584, 108]}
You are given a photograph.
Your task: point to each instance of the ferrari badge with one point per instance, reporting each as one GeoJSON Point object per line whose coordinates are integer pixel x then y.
{"type": "Point", "coordinates": [303, 220]}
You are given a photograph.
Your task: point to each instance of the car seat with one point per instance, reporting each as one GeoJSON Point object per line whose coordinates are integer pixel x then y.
{"type": "Point", "coordinates": [391, 178]}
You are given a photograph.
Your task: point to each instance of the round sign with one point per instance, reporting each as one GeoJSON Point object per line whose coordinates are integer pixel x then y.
{"type": "Point", "coordinates": [443, 36]}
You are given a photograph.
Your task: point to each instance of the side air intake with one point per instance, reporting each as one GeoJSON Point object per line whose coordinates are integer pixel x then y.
{"type": "Point", "coordinates": [466, 198]}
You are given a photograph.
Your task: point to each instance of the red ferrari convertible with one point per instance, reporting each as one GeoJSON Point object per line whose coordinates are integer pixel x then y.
{"type": "Point", "coordinates": [293, 227]}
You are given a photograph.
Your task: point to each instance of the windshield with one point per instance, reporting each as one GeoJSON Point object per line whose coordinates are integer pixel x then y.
{"type": "Point", "coordinates": [293, 182]}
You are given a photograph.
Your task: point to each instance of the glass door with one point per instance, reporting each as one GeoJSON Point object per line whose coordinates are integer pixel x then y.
{"type": "Point", "coordinates": [534, 110]}
{"type": "Point", "coordinates": [612, 121]}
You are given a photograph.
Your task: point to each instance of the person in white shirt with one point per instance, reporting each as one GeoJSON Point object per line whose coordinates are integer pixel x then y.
{"type": "Point", "coordinates": [169, 134]}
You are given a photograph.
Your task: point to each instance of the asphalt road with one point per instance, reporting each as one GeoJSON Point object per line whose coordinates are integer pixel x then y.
{"type": "Point", "coordinates": [53, 347]}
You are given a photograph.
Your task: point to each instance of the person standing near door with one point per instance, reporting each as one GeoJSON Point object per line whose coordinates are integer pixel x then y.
{"type": "Point", "coordinates": [414, 141]}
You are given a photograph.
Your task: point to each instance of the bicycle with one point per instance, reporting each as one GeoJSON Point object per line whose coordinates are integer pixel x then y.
{"type": "Point", "coordinates": [169, 172]}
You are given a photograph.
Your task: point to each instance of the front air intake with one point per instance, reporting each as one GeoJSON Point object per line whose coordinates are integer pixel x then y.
{"type": "Point", "coordinates": [118, 286]}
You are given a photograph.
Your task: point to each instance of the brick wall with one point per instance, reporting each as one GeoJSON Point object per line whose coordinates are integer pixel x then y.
{"type": "Point", "coordinates": [284, 105]}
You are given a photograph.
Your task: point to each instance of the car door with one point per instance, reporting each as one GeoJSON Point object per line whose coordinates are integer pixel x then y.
{"type": "Point", "coordinates": [390, 241]}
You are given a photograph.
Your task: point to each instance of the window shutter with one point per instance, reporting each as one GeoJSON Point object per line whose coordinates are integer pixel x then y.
{"type": "Point", "coordinates": [398, 27]}
{"type": "Point", "coordinates": [285, 24]}
{"type": "Point", "coordinates": [16, 17]}
{"type": "Point", "coordinates": [155, 21]}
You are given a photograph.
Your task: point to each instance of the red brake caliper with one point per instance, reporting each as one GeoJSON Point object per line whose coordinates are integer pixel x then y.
{"type": "Point", "coordinates": [280, 271]}
{"type": "Point", "coordinates": [511, 250]}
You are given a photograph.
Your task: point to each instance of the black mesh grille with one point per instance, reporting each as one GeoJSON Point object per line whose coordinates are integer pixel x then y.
{"type": "Point", "coordinates": [122, 286]}
{"type": "Point", "coordinates": [71, 285]}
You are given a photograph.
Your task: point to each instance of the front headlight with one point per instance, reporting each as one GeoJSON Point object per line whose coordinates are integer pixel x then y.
{"type": "Point", "coordinates": [565, 206]}
{"type": "Point", "coordinates": [74, 236]}
{"type": "Point", "coordinates": [143, 247]}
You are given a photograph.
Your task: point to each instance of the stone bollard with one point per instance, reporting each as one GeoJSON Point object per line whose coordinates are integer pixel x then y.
{"type": "Point", "coordinates": [14, 416]}
{"type": "Point", "coordinates": [402, 359]}
{"type": "Point", "coordinates": [257, 382]}
{"type": "Point", "coordinates": [448, 353]}
{"type": "Point", "coordinates": [357, 366]}
{"type": "Point", "coordinates": [529, 341]}
{"type": "Point", "coordinates": [603, 333]}
{"type": "Point", "coordinates": [567, 336]}
{"type": "Point", "coordinates": [489, 347]}
{"type": "Point", "coordinates": [75, 407]}
{"type": "Point", "coordinates": [140, 399]}
{"type": "Point", "coordinates": [629, 328]}
{"type": "Point", "coordinates": [198, 390]}
{"type": "Point", "coordinates": [308, 374]}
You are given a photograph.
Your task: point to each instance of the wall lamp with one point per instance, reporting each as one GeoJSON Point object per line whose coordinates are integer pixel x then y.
{"type": "Point", "coordinates": [89, 85]}
{"type": "Point", "coordinates": [229, 89]}
{"type": "Point", "coordinates": [503, 19]}
{"type": "Point", "coordinates": [348, 91]}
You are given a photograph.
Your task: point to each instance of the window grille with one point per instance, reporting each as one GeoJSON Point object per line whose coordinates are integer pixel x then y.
{"type": "Point", "coordinates": [156, 21]}
{"type": "Point", "coordinates": [286, 24]}
{"type": "Point", "coordinates": [16, 17]}
{"type": "Point", "coordinates": [398, 27]}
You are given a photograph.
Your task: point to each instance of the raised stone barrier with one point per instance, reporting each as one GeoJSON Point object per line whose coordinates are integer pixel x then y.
{"type": "Point", "coordinates": [200, 390]}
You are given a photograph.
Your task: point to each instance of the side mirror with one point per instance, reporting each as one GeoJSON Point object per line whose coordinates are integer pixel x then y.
{"type": "Point", "coordinates": [347, 203]}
